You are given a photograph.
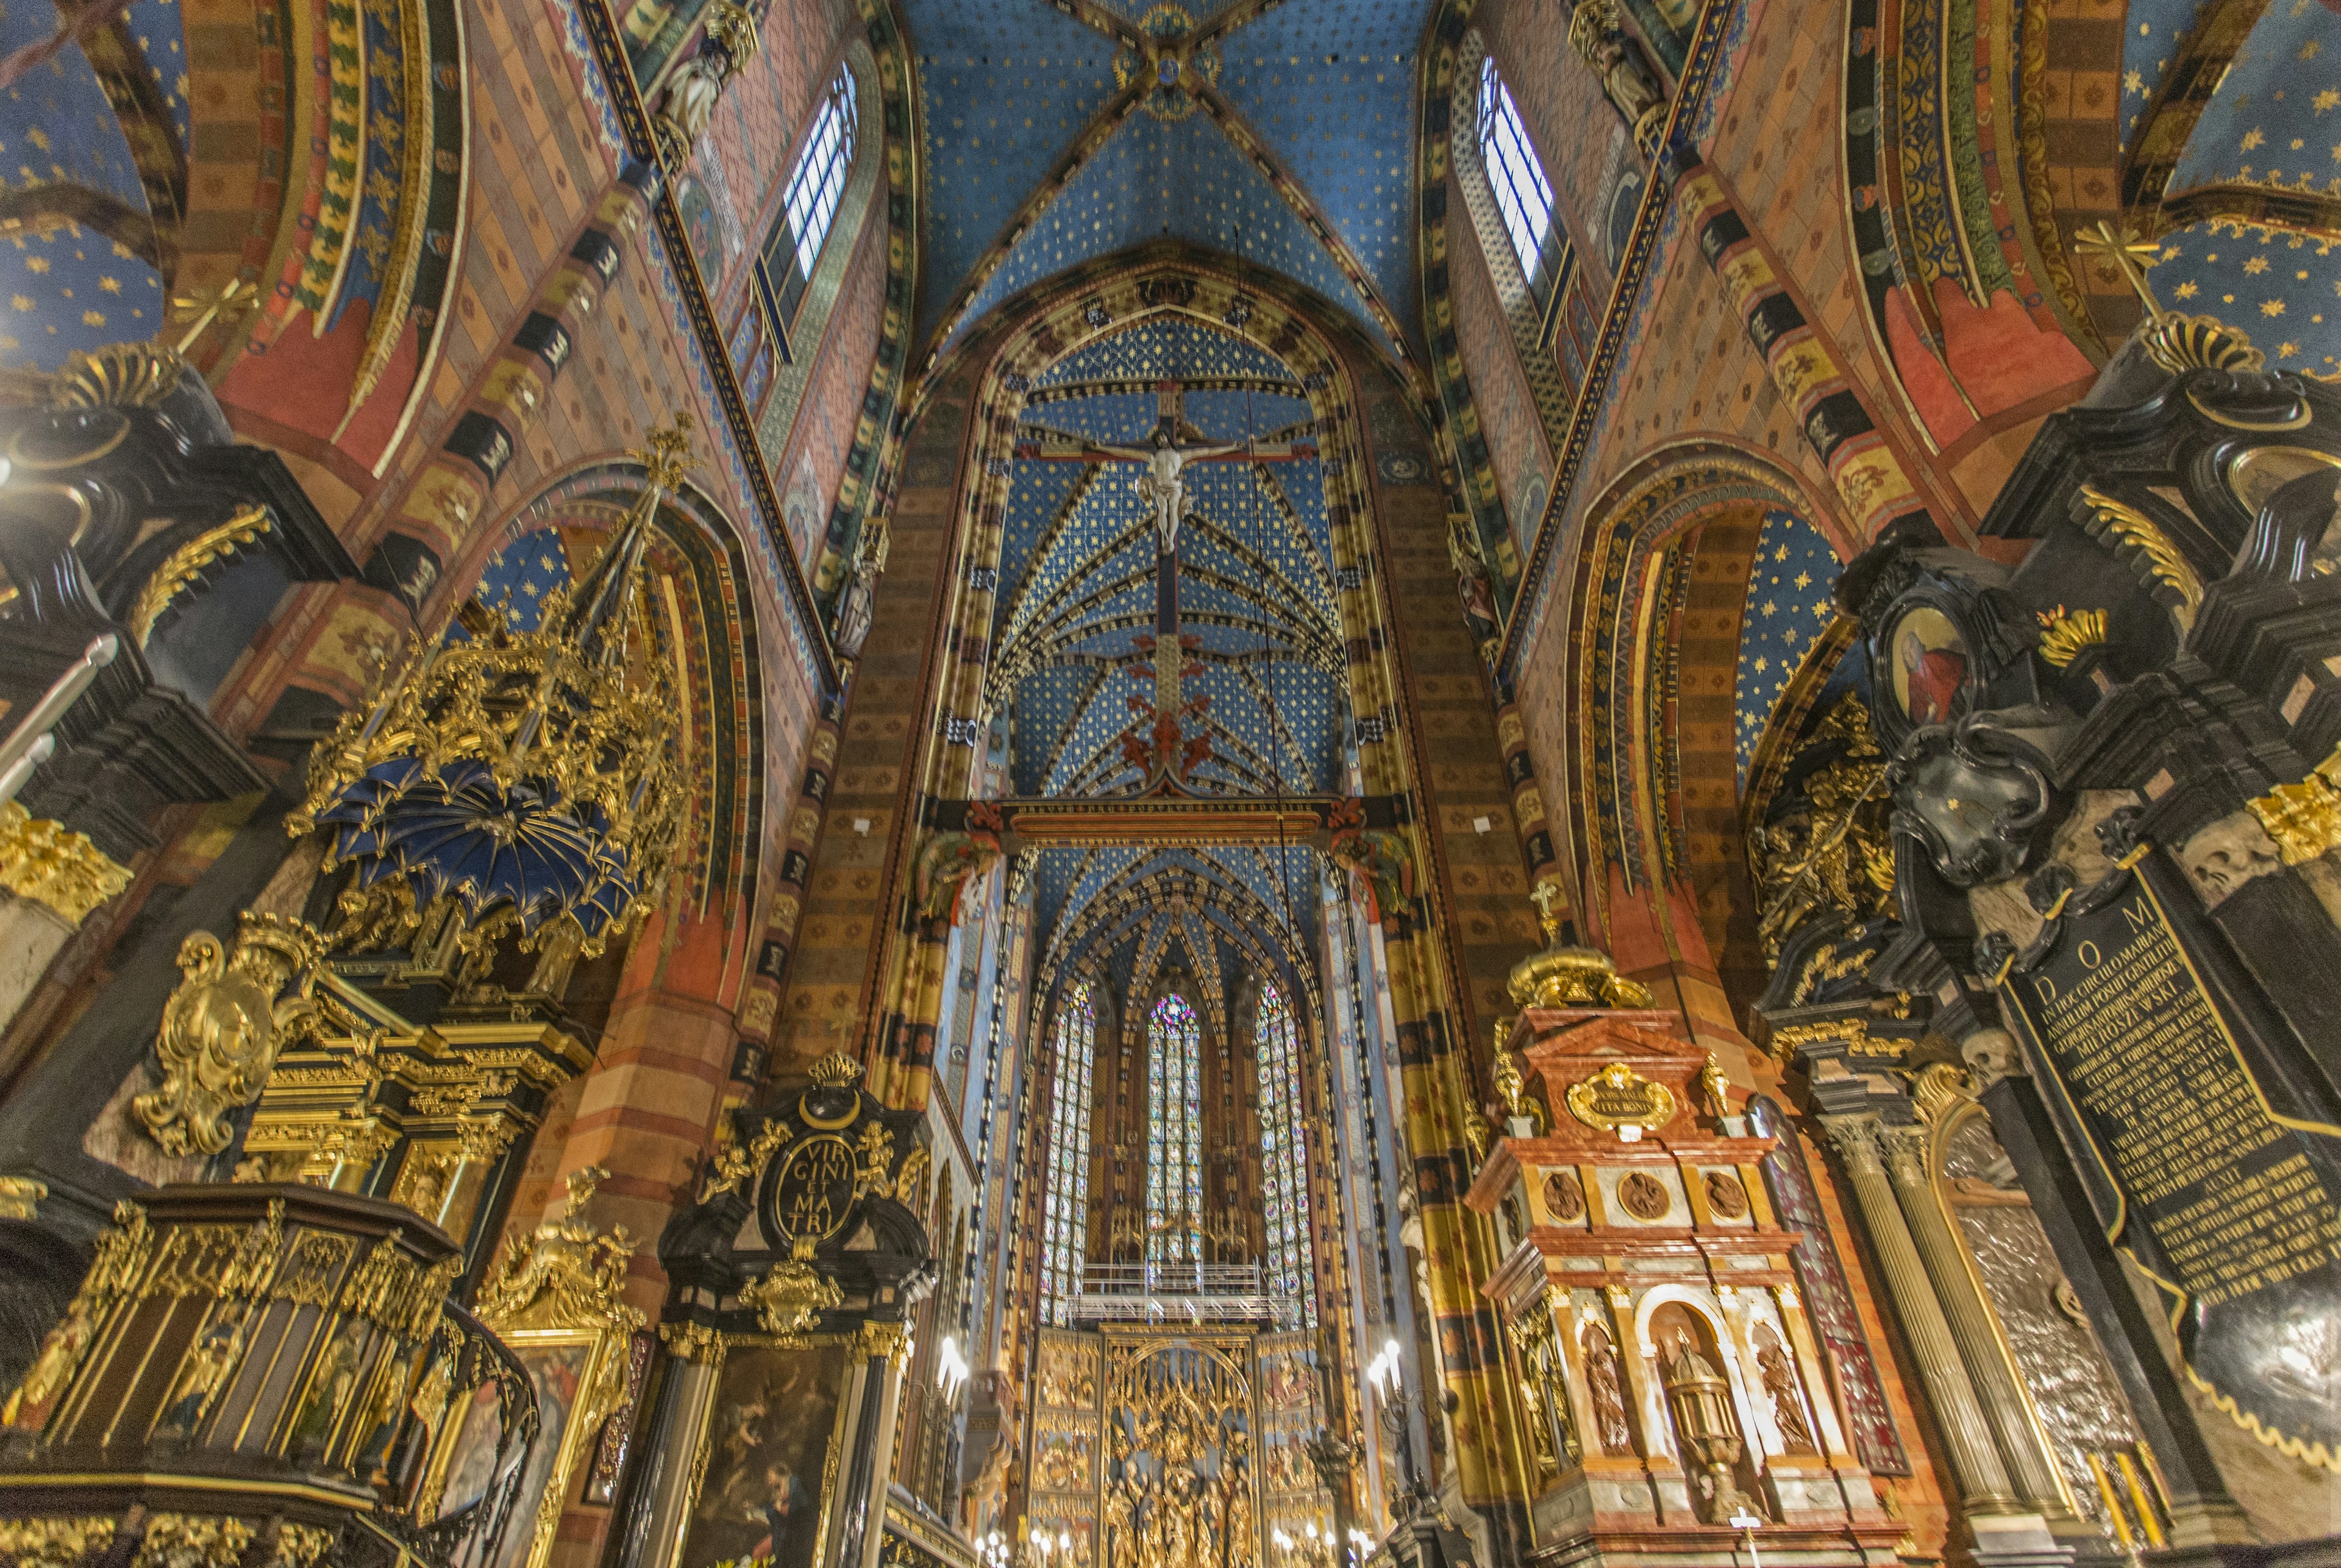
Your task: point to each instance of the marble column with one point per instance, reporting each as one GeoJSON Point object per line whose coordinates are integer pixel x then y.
{"type": "Point", "coordinates": [2004, 1533]}
{"type": "Point", "coordinates": [1971, 1321]}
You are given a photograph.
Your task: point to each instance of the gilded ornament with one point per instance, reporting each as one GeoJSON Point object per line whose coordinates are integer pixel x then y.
{"type": "Point", "coordinates": [890, 1340]}
{"type": "Point", "coordinates": [184, 564]}
{"type": "Point", "coordinates": [1512, 1088]}
{"type": "Point", "coordinates": [2304, 818]}
{"type": "Point", "coordinates": [1714, 1087]}
{"type": "Point", "coordinates": [194, 1541]}
{"type": "Point", "coordinates": [19, 1197]}
{"type": "Point", "coordinates": [527, 777]}
{"type": "Point", "coordinates": [566, 1274]}
{"type": "Point", "coordinates": [1938, 1087]}
{"type": "Point", "coordinates": [2065, 633]}
{"type": "Point", "coordinates": [1564, 976]}
{"type": "Point", "coordinates": [2158, 560]}
{"type": "Point", "coordinates": [837, 1071]}
{"type": "Point", "coordinates": [2176, 343]}
{"type": "Point", "coordinates": [64, 1542]}
{"type": "Point", "coordinates": [692, 1342]}
{"type": "Point", "coordinates": [223, 1026]}
{"type": "Point", "coordinates": [118, 375]}
{"type": "Point", "coordinates": [790, 1297]}
{"type": "Point", "coordinates": [1617, 1097]}
{"type": "Point", "coordinates": [1836, 853]}
{"type": "Point", "coordinates": [55, 867]}
{"type": "Point", "coordinates": [874, 1159]}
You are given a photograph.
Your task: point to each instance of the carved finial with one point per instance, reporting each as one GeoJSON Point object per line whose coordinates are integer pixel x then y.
{"type": "Point", "coordinates": [1546, 895]}
{"type": "Point", "coordinates": [1714, 1087]}
{"type": "Point", "coordinates": [666, 453]}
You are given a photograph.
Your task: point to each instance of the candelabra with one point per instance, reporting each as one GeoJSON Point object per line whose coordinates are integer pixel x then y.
{"type": "Point", "coordinates": [1396, 1408]}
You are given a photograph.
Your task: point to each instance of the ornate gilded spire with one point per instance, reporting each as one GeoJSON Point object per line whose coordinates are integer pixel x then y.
{"type": "Point", "coordinates": [528, 776]}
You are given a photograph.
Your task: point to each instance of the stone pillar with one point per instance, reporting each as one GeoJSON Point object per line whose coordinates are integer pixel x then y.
{"type": "Point", "coordinates": [666, 1438]}
{"type": "Point", "coordinates": [2003, 1534]}
{"type": "Point", "coordinates": [1970, 1321]}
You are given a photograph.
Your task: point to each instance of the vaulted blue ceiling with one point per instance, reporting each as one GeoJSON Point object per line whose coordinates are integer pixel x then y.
{"type": "Point", "coordinates": [2273, 122]}
{"type": "Point", "coordinates": [69, 286]}
{"type": "Point", "coordinates": [1075, 615]}
{"type": "Point", "coordinates": [1018, 97]}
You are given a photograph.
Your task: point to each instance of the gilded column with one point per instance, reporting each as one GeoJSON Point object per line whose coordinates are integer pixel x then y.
{"type": "Point", "coordinates": [1983, 1483]}
{"type": "Point", "coordinates": [1970, 1323]}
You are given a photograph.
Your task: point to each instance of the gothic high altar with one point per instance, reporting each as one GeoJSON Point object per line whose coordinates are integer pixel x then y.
{"type": "Point", "coordinates": [1129, 783]}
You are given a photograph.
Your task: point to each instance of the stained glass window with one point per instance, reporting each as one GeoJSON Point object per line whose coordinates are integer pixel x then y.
{"type": "Point", "coordinates": [1284, 1154]}
{"type": "Point", "coordinates": [1522, 192]}
{"type": "Point", "coordinates": [1174, 1135]}
{"type": "Point", "coordinates": [1065, 1210]}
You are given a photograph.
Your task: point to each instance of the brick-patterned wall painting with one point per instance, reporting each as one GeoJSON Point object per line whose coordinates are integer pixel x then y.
{"type": "Point", "coordinates": [1499, 388]}
{"type": "Point", "coordinates": [1459, 762]}
{"type": "Point", "coordinates": [832, 403]}
{"type": "Point", "coordinates": [845, 917]}
{"type": "Point", "coordinates": [1706, 760]}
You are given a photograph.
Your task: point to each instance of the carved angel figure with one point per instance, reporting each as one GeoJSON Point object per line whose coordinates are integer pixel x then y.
{"type": "Point", "coordinates": [222, 1028]}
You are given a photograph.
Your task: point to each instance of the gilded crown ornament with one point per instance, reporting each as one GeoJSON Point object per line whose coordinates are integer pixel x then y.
{"type": "Point", "coordinates": [2176, 342]}
{"type": "Point", "coordinates": [529, 778]}
{"type": "Point", "coordinates": [1566, 975]}
{"type": "Point", "coordinates": [837, 1071]}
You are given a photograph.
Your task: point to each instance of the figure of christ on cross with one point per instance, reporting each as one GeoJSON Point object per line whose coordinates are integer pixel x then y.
{"type": "Point", "coordinates": [1162, 483]}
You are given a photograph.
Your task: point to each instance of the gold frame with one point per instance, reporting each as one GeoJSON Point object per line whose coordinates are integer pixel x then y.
{"type": "Point", "coordinates": [830, 1459]}
{"type": "Point", "coordinates": [600, 1387]}
{"type": "Point", "coordinates": [562, 1286]}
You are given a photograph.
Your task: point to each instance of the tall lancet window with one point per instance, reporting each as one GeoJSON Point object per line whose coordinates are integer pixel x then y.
{"type": "Point", "coordinates": [1065, 1220]}
{"type": "Point", "coordinates": [1174, 1135]}
{"type": "Point", "coordinates": [1522, 192]}
{"type": "Point", "coordinates": [1284, 1154]}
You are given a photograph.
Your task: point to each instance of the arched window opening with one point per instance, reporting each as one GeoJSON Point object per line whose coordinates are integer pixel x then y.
{"type": "Point", "coordinates": [1065, 1214]}
{"type": "Point", "coordinates": [808, 207]}
{"type": "Point", "coordinates": [1522, 192]}
{"type": "Point", "coordinates": [1174, 1136]}
{"type": "Point", "coordinates": [1284, 1154]}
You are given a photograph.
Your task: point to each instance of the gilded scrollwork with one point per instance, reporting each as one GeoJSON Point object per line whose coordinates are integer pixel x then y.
{"type": "Point", "coordinates": [567, 1274]}
{"type": "Point", "coordinates": [1836, 853]}
{"type": "Point", "coordinates": [223, 1026]}
{"type": "Point", "coordinates": [65, 1541]}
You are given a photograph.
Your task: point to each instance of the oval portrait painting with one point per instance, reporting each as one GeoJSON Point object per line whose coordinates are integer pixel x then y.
{"type": "Point", "coordinates": [1929, 661]}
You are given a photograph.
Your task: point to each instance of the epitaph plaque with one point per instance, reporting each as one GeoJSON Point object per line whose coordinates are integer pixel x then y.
{"type": "Point", "coordinates": [2225, 1185]}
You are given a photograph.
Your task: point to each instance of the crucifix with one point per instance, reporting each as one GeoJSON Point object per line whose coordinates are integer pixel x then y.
{"type": "Point", "coordinates": [1161, 748]}
{"type": "Point", "coordinates": [1166, 459]}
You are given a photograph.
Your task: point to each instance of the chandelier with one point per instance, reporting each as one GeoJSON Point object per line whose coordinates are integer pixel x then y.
{"type": "Point", "coordinates": [526, 777]}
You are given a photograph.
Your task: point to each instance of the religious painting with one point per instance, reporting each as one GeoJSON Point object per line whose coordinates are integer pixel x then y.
{"type": "Point", "coordinates": [558, 1370]}
{"type": "Point", "coordinates": [769, 1453]}
{"type": "Point", "coordinates": [702, 226]}
{"type": "Point", "coordinates": [801, 510]}
{"type": "Point", "coordinates": [1929, 663]}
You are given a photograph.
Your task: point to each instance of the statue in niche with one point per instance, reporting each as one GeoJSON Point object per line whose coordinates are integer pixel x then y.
{"type": "Point", "coordinates": [853, 613]}
{"type": "Point", "coordinates": [1626, 81]}
{"type": "Point", "coordinates": [1608, 1392]}
{"type": "Point", "coordinates": [1473, 586]}
{"type": "Point", "coordinates": [1788, 1404]}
